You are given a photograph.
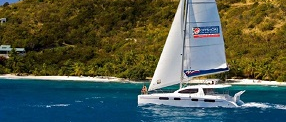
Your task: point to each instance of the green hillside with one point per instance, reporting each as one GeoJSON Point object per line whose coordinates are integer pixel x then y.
{"type": "Point", "coordinates": [124, 38]}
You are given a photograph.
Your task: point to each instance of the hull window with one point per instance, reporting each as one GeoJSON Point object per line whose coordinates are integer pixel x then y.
{"type": "Point", "coordinates": [163, 98]}
{"type": "Point", "coordinates": [195, 99]}
{"type": "Point", "coordinates": [188, 91]}
{"type": "Point", "coordinates": [177, 98]}
{"type": "Point", "coordinates": [206, 100]}
{"type": "Point", "coordinates": [208, 91]}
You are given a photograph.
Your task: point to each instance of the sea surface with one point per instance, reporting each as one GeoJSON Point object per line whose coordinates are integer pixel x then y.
{"type": "Point", "coordinates": [73, 101]}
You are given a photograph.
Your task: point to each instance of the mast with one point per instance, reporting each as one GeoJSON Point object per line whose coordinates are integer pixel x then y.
{"type": "Point", "coordinates": [184, 36]}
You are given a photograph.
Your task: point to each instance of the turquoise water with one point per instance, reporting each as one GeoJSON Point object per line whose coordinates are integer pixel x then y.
{"type": "Point", "coordinates": [72, 101]}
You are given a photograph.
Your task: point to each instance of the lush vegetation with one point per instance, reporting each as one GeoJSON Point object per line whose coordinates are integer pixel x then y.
{"type": "Point", "coordinates": [124, 38]}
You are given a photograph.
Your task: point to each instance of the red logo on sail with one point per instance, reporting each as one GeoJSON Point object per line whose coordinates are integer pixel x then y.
{"type": "Point", "coordinates": [208, 31]}
{"type": "Point", "coordinates": [196, 31]}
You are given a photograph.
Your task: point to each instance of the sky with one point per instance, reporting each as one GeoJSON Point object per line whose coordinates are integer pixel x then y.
{"type": "Point", "coordinates": [9, 1]}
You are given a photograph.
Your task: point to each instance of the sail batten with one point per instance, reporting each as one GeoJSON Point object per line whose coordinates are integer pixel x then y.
{"type": "Point", "coordinates": [193, 46]}
{"type": "Point", "coordinates": [201, 2]}
{"type": "Point", "coordinates": [204, 22]}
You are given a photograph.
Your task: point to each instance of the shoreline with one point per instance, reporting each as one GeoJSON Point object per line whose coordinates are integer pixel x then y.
{"type": "Point", "coordinates": [70, 78]}
{"type": "Point", "coordinates": [255, 82]}
{"type": "Point", "coordinates": [122, 80]}
{"type": "Point", "coordinates": [240, 82]}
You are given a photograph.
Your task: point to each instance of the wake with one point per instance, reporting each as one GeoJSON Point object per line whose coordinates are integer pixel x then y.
{"type": "Point", "coordinates": [264, 105]}
{"type": "Point", "coordinates": [51, 105]}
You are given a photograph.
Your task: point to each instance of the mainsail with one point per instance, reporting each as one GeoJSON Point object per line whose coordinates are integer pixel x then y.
{"type": "Point", "coordinates": [203, 47]}
{"type": "Point", "coordinates": [204, 44]}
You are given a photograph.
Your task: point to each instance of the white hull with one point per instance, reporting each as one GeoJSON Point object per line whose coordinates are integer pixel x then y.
{"type": "Point", "coordinates": [185, 101]}
{"type": "Point", "coordinates": [198, 99]}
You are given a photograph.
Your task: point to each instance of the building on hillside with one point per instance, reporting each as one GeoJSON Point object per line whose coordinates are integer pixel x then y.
{"type": "Point", "coordinates": [3, 20]}
{"type": "Point", "coordinates": [6, 49]}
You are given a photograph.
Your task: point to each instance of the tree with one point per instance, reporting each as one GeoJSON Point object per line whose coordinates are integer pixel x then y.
{"type": "Point", "coordinates": [235, 69]}
{"type": "Point", "coordinates": [108, 69]}
{"type": "Point", "coordinates": [2, 60]}
{"type": "Point", "coordinates": [6, 4]}
{"type": "Point", "coordinates": [92, 69]}
{"type": "Point", "coordinates": [15, 62]}
{"type": "Point", "coordinates": [250, 69]}
{"type": "Point", "coordinates": [268, 73]}
{"type": "Point", "coordinates": [282, 78]}
{"type": "Point", "coordinates": [3, 69]}
{"type": "Point", "coordinates": [67, 68]}
{"type": "Point", "coordinates": [78, 68]}
{"type": "Point", "coordinates": [125, 38]}
{"type": "Point", "coordinates": [44, 70]}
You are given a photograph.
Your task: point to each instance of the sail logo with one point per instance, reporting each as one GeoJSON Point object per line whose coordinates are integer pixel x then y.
{"type": "Point", "coordinates": [159, 81]}
{"type": "Point", "coordinates": [196, 30]}
{"type": "Point", "coordinates": [191, 72]}
{"type": "Point", "coordinates": [208, 31]}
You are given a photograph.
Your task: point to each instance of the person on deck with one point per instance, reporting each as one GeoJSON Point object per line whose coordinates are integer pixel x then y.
{"type": "Point", "coordinates": [144, 90]}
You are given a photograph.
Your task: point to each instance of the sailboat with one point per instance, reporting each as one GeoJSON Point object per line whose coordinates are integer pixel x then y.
{"type": "Point", "coordinates": [194, 47]}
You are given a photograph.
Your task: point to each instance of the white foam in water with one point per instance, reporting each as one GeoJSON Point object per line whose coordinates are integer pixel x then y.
{"type": "Point", "coordinates": [265, 105]}
{"type": "Point", "coordinates": [283, 107]}
{"type": "Point", "coordinates": [57, 105]}
{"type": "Point", "coordinates": [93, 98]}
{"type": "Point", "coordinates": [53, 105]}
{"type": "Point", "coordinates": [96, 97]}
{"type": "Point", "coordinates": [257, 105]}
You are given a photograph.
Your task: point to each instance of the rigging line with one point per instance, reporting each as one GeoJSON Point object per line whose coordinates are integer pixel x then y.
{"type": "Point", "coordinates": [205, 45]}
{"type": "Point", "coordinates": [202, 2]}
{"type": "Point", "coordinates": [203, 22]}
{"type": "Point", "coordinates": [186, 6]}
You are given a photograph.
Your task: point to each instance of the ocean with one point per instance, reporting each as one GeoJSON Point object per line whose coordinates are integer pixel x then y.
{"type": "Point", "coordinates": [23, 100]}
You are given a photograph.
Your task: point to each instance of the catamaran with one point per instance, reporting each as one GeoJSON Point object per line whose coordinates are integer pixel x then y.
{"type": "Point", "coordinates": [194, 47]}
